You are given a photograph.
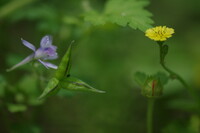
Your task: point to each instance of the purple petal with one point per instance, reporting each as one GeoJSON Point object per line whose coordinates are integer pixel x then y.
{"type": "Point", "coordinates": [26, 60]}
{"type": "Point", "coordinates": [53, 47]}
{"type": "Point", "coordinates": [55, 56]}
{"type": "Point", "coordinates": [46, 41]}
{"type": "Point", "coordinates": [51, 65]}
{"type": "Point", "coordinates": [48, 65]}
{"type": "Point", "coordinates": [43, 63]}
{"type": "Point", "coordinates": [29, 45]}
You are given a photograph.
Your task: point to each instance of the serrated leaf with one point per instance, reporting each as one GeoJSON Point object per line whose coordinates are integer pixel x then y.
{"type": "Point", "coordinates": [64, 66]}
{"type": "Point", "coordinates": [140, 78]}
{"type": "Point", "coordinates": [74, 84]}
{"type": "Point", "coordinates": [52, 87]}
{"type": "Point", "coordinates": [123, 13]}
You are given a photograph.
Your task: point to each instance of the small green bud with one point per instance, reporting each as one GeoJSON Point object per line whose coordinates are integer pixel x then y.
{"type": "Point", "coordinates": [152, 88]}
{"type": "Point", "coordinates": [71, 83]}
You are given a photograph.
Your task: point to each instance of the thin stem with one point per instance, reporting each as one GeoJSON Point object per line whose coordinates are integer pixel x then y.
{"type": "Point", "coordinates": [150, 106]}
{"type": "Point", "coordinates": [175, 75]}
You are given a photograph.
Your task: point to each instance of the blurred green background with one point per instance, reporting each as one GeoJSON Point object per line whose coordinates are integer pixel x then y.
{"type": "Point", "coordinates": [105, 56]}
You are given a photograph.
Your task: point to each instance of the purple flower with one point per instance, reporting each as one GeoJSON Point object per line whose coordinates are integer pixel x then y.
{"type": "Point", "coordinates": [47, 51]}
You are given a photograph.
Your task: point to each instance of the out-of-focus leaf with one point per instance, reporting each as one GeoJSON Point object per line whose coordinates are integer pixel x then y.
{"type": "Point", "coordinates": [13, 6]}
{"type": "Point", "coordinates": [29, 90]}
{"type": "Point", "coordinates": [194, 124]}
{"type": "Point", "coordinates": [19, 97]}
{"type": "Point", "coordinates": [41, 12]}
{"type": "Point", "coordinates": [70, 20]}
{"type": "Point", "coordinates": [2, 86]}
{"type": "Point", "coordinates": [175, 127]}
{"type": "Point", "coordinates": [95, 18]}
{"type": "Point", "coordinates": [123, 13]}
{"type": "Point", "coordinates": [140, 78]}
{"type": "Point", "coordinates": [16, 107]}
{"type": "Point", "coordinates": [52, 87]}
{"type": "Point", "coordinates": [162, 77]}
{"type": "Point", "coordinates": [28, 84]}
{"type": "Point", "coordinates": [25, 127]}
{"type": "Point", "coordinates": [183, 104]}
{"type": "Point", "coordinates": [74, 84]}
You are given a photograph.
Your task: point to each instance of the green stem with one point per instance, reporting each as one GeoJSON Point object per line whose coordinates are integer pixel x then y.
{"type": "Point", "coordinates": [175, 75]}
{"type": "Point", "coordinates": [150, 115]}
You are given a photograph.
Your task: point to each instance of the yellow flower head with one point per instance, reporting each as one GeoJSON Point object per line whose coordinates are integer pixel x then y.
{"type": "Point", "coordinates": [159, 33]}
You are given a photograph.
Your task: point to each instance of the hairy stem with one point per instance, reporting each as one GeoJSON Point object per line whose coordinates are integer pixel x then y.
{"type": "Point", "coordinates": [150, 106]}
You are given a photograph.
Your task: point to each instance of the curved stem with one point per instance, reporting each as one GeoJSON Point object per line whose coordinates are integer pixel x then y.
{"type": "Point", "coordinates": [150, 106]}
{"type": "Point", "coordinates": [175, 75]}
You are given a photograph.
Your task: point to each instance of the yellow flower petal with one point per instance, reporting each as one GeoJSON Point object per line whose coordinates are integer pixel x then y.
{"type": "Point", "coordinates": [159, 33]}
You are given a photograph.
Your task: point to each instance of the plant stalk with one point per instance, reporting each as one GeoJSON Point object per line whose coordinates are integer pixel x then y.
{"type": "Point", "coordinates": [175, 75]}
{"type": "Point", "coordinates": [150, 107]}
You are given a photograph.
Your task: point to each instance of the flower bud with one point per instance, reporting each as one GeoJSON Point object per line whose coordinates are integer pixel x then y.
{"type": "Point", "coordinates": [152, 88]}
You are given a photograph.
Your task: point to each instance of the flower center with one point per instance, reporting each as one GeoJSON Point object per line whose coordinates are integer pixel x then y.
{"type": "Point", "coordinates": [45, 53]}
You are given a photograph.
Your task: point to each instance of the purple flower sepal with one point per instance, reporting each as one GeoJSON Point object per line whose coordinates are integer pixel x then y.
{"type": "Point", "coordinates": [47, 51]}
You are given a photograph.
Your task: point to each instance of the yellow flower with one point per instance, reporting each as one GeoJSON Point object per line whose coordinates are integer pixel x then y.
{"type": "Point", "coordinates": [159, 33]}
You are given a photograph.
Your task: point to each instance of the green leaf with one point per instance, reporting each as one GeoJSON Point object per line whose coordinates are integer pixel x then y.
{"type": "Point", "coordinates": [123, 13]}
{"type": "Point", "coordinates": [140, 78]}
{"type": "Point", "coordinates": [52, 88]}
{"type": "Point", "coordinates": [162, 77]}
{"type": "Point", "coordinates": [16, 108]}
{"type": "Point", "coordinates": [64, 66]}
{"type": "Point", "coordinates": [74, 84]}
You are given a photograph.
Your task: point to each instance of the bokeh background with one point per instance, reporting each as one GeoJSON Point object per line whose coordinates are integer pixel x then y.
{"type": "Point", "coordinates": [106, 57]}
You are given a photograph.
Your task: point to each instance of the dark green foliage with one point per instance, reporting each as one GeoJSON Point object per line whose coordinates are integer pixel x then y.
{"type": "Point", "coordinates": [105, 56]}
